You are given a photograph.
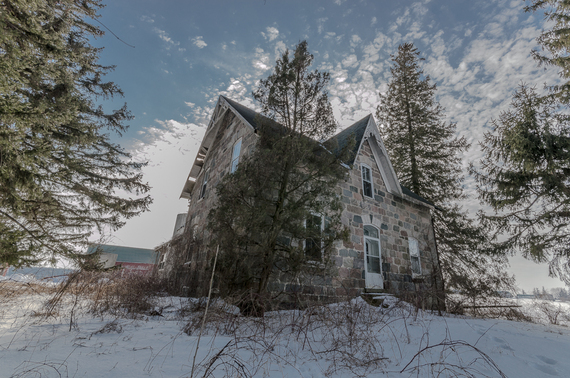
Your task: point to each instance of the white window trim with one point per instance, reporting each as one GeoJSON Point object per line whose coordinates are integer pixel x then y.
{"type": "Point", "coordinates": [235, 159]}
{"type": "Point", "coordinates": [379, 247]}
{"type": "Point", "coordinates": [362, 166]}
{"type": "Point", "coordinates": [415, 253]}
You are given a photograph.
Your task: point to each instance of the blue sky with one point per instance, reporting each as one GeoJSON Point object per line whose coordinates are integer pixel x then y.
{"type": "Point", "coordinates": [187, 53]}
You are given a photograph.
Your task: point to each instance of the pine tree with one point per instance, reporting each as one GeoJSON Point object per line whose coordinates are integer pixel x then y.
{"type": "Point", "coordinates": [273, 207]}
{"type": "Point", "coordinates": [60, 174]}
{"type": "Point", "coordinates": [524, 177]}
{"type": "Point", "coordinates": [426, 156]}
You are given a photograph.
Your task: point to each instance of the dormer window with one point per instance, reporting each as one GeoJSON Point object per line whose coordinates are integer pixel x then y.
{"type": "Point", "coordinates": [235, 155]}
{"type": "Point", "coordinates": [367, 188]}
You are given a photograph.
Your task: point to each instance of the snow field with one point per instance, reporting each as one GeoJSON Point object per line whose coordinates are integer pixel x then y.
{"type": "Point", "coordinates": [347, 339]}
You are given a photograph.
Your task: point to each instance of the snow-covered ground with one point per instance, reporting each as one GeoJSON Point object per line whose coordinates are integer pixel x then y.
{"type": "Point", "coordinates": [341, 340]}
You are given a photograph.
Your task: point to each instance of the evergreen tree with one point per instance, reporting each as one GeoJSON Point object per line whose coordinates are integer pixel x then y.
{"type": "Point", "coordinates": [555, 43]}
{"type": "Point", "coordinates": [426, 156]}
{"type": "Point", "coordinates": [59, 171]}
{"type": "Point", "coordinates": [524, 177]}
{"type": "Point", "coordinates": [270, 215]}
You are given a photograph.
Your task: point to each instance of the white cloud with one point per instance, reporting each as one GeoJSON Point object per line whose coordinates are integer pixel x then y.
{"type": "Point", "coordinates": [261, 60]}
{"type": "Point", "coordinates": [164, 36]}
{"type": "Point", "coordinates": [355, 40]}
{"type": "Point", "coordinates": [321, 24]}
{"type": "Point", "coordinates": [271, 34]}
{"type": "Point", "coordinates": [169, 147]}
{"type": "Point", "coordinates": [147, 19]}
{"type": "Point", "coordinates": [199, 42]}
{"type": "Point", "coordinates": [373, 21]}
{"type": "Point", "coordinates": [280, 48]}
{"type": "Point", "coordinates": [350, 61]}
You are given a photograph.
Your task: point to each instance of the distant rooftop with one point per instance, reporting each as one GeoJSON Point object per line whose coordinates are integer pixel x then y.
{"type": "Point", "coordinates": [126, 254]}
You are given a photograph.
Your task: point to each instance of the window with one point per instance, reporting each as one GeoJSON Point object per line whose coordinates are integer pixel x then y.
{"type": "Point", "coordinates": [372, 249]}
{"type": "Point", "coordinates": [314, 243]}
{"type": "Point", "coordinates": [235, 156]}
{"type": "Point", "coordinates": [415, 256]}
{"type": "Point", "coordinates": [162, 261]}
{"type": "Point", "coordinates": [367, 188]}
{"type": "Point", "coordinates": [204, 184]}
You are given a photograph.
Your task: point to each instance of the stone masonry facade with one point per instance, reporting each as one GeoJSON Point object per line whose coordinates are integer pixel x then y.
{"type": "Point", "coordinates": [397, 218]}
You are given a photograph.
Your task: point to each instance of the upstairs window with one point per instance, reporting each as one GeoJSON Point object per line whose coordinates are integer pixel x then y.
{"type": "Point", "coordinates": [235, 155]}
{"type": "Point", "coordinates": [313, 244]}
{"type": "Point", "coordinates": [204, 184]}
{"type": "Point", "coordinates": [415, 256]}
{"type": "Point", "coordinates": [367, 188]}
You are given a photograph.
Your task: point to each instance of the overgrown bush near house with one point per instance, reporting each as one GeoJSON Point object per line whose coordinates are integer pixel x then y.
{"type": "Point", "coordinates": [117, 293]}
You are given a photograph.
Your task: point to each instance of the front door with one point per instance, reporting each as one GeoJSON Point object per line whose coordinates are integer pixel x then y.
{"type": "Point", "coordinates": [372, 260]}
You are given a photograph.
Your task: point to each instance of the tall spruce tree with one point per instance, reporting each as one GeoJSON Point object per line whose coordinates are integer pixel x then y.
{"type": "Point", "coordinates": [426, 155]}
{"type": "Point", "coordinates": [270, 215]}
{"type": "Point", "coordinates": [524, 172]}
{"type": "Point", "coordinates": [524, 177]}
{"type": "Point", "coordinates": [555, 43]}
{"type": "Point", "coordinates": [59, 171]}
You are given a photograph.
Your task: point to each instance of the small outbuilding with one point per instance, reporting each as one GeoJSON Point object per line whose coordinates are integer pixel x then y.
{"type": "Point", "coordinates": [136, 260]}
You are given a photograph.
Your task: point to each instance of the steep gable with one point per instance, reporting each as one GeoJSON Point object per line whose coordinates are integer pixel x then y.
{"type": "Point", "coordinates": [364, 129]}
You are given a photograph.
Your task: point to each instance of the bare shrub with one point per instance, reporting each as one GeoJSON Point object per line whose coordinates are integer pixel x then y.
{"type": "Point", "coordinates": [111, 327]}
{"type": "Point", "coordinates": [479, 365]}
{"type": "Point", "coordinates": [351, 337]}
{"type": "Point", "coordinates": [113, 293]}
{"type": "Point", "coordinates": [553, 313]}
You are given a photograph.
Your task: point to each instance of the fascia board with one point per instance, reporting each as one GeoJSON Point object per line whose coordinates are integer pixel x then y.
{"type": "Point", "coordinates": [208, 137]}
{"type": "Point", "coordinates": [221, 99]}
{"type": "Point", "coordinates": [386, 169]}
{"type": "Point", "coordinates": [221, 106]}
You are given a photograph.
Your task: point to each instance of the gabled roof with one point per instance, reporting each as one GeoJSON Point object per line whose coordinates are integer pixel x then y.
{"type": "Point", "coordinates": [126, 254]}
{"type": "Point", "coordinates": [363, 129]}
{"type": "Point", "coordinates": [343, 138]}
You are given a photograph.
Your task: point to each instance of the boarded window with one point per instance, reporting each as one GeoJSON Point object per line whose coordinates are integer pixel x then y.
{"type": "Point", "coordinates": [367, 181]}
{"type": "Point", "coordinates": [415, 256]}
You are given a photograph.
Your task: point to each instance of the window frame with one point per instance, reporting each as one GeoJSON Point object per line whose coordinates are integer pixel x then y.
{"type": "Point", "coordinates": [375, 239]}
{"type": "Point", "coordinates": [322, 223]}
{"type": "Point", "coordinates": [233, 158]}
{"type": "Point", "coordinates": [415, 253]}
{"type": "Point", "coordinates": [371, 181]}
{"type": "Point", "coordinates": [162, 261]}
{"type": "Point", "coordinates": [204, 185]}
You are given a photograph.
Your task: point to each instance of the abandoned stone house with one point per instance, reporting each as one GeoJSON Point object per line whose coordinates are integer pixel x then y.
{"type": "Point", "coordinates": [391, 245]}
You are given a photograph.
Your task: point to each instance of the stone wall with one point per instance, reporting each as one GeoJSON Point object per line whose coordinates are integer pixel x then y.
{"type": "Point", "coordinates": [396, 218]}
{"type": "Point", "coordinates": [218, 163]}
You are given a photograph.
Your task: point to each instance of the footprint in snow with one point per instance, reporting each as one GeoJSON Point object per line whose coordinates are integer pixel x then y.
{"type": "Point", "coordinates": [547, 360]}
